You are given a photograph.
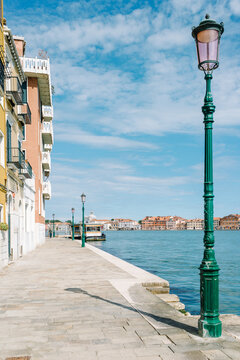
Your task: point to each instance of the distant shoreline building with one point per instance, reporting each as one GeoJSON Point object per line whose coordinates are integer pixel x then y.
{"type": "Point", "coordinates": [230, 222]}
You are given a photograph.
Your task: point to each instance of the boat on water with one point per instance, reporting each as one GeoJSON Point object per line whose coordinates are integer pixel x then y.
{"type": "Point", "coordinates": [93, 232]}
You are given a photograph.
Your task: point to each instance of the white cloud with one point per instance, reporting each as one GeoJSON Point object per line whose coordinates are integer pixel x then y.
{"type": "Point", "coordinates": [78, 136]}
{"type": "Point", "coordinates": [170, 38]}
{"type": "Point", "coordinates": [235, 6]}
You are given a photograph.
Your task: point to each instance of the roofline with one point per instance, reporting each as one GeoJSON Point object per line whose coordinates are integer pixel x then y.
{"type": "Point", "coordinates": [14, 52]}
{"type": "Point", "coordinates": [16, 37]}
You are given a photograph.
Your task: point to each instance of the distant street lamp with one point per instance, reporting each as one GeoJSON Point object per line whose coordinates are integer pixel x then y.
{"type": "Point", "coordinates": [53, 215]}
{"type": "Point", "coordinates": [83, 197]}
{"type": "Point", "coordinates": [73, 210]}
{"type": "Point", "coordinates": [207, 36]}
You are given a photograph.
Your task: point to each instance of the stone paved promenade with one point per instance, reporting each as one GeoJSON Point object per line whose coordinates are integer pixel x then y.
{"type": "Point", "coordinates": [66, 302]}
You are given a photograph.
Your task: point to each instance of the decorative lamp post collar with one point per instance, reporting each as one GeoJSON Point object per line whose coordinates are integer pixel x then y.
{"type": "Point", "coordinates": [207, 36]}
{"type": "Point", "coordinates": [83, 197]}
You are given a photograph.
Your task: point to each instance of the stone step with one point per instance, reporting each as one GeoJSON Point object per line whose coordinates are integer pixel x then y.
{"type": "Point", "coordinates": [168, 297]}
{"type": "Point", "coordinates": [158, 290]}
{"type": "Point", "coordinates": [177, 305]}
{"type": "Point", "coordinates": [154, 284]}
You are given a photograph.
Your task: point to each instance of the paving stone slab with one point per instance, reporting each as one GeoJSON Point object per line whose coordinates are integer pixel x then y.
{"type": "Point", "coordinates": [215, 355]}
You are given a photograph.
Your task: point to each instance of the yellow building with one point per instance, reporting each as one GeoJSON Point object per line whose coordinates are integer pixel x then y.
{"type": "Point", "coordinates": [3, 172]}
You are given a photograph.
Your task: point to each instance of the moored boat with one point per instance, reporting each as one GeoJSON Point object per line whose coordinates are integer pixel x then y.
{"type": "Point", "coordinates": [93, 232]}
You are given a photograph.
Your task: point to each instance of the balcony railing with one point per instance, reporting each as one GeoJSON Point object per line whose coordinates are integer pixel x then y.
{"type": "Point", "coordinates": [47, 112]}
{"type": "Point", "coordinates": [47, 132]}
{"type": "Point", "coordinates": [14, 89]}
{"type": "Point", "coordinates": [47, 147]}
{"type": "Point", "coordinates": [40, 68]}
{"type": "Point", "coordinates": [46, 160]}
{"type": "Point", "coordinates": [2, 68]}
{"type": "Point", "coordinates": [15, 157]}
{"type": "Point", "coordinates": [47, 190]}
{"type": "Point", "coordinates": [25, 112]}
{"type": "Point", "coordinates": [35, 65]}
{"type": "Point", "coordinates": [26, 170]}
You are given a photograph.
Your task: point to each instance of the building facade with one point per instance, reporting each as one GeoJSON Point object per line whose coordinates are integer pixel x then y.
{"type": "Point", "coordinates": [175, 223]}
{"type": "Point", "coordinates": [19, 170]}
{"type": "Point", "coordinates": [128, 224]}
{"type": "Point", "coordinates": [3, 168]}
{"type": "Point", "coordinates": [216, 223]}
{"type": "Point", "coordinates": [38, 135]}
{"type": "Point", "coordinates": [230, 222]}
{"type": "Point", "coordinates": [195, 224]}
{"type": "Point", "coordinates": [155, 222]}
{"type": "Point", "coordinates": [26, 139]}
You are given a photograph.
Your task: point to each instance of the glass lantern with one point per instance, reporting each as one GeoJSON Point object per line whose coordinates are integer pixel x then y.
{"type": "Point", "coordinates": [207, 36]}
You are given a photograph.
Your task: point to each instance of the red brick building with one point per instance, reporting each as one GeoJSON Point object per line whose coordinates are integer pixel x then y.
{"type": "Point", "coordinates": [230, 222]}
{"type": "Point", "coordinates": [155, 222]}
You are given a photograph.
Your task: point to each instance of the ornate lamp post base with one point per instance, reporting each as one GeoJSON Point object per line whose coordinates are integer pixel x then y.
{"type": "Point", "coordinates": [210, 328]}
{"type": "Point", "coordinates": [209, 324]}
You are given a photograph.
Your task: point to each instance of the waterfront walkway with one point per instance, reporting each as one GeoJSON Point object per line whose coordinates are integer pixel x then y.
{"type": "Point", "coordinates": [65, 302]}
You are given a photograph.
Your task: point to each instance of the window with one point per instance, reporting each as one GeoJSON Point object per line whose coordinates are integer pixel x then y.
{"type": "Point", "coordinates": [26, 217]}
{"type": "Point", "coordinates": [2, 157]}
{"type": "Point", "coordinates": [24, 90]}
{"type": "Point", "coordinates": [2, 101]}
{"type": "Point", "coordinates": [1, 213]}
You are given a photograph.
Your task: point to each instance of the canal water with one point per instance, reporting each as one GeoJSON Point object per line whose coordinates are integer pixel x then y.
{"type": "Point", "coordinates": [176, 256]}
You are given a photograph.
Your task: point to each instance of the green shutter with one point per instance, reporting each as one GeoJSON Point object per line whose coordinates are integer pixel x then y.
{"type": "Point", "coordinates": [24, 90]}
{"type": "Point", "coordinates": [9, 142]}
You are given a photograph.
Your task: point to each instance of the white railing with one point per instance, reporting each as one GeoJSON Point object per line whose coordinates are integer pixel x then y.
{"type": "Point", "coordinates": [35, 65]}
{"type": "Point", "coordinates": [47, 112]}
{"type": "Point", "coordinates": [46, 159]}
{"type": "Point", "coordinates": [47, 127]}
{"type": "Point", "coordinates": [47, 193]}
{"type": "Point", "coordinates": [47, 147]}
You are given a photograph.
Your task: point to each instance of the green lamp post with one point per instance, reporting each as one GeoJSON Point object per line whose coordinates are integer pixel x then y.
{"type": "Point", "coordinates": [83, 197]}
{"type": "Point", "coordinates": [53, 215]}
{"type": "Point", "coordinates": [73, 210]}
{"type": "Point", "coordinates": [207, 36]}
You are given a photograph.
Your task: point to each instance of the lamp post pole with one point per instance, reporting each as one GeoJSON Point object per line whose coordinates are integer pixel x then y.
{"type": "Point", "coordinates": [73, 224]}
{"type": "Point", "coordinates": [83, 197]}
{"type": "Point", "coordinates": [209, 323]}
{"type": "Point", "coordinates": [207, 36]}
{"type": "Point", "coordinates": [53, 225]}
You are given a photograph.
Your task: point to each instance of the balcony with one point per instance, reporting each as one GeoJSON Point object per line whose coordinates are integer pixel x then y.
{"type": "Point", "coordinates": [47, 112]}
{"type": "Point", "coordinates": [26, 170]}
{"type": "Point", "coordinates": [15, 158]}
{"type": "Point", "coordinates": [40, 68]}
{"type": "Point", "coordinates": [25, 112]}
{"type": "Point", "coordinates": [47, 190]}
{"type": "Point", "coordinates": [47, 147]}
{"type": "Point", "coordinates": [14, 89]}
{"type": "Point", "coordinates": [46, 160]}
{"type": "Point", "coordinates": [2, 68]}
{"type": "Point", "coordinates": [47, 132]}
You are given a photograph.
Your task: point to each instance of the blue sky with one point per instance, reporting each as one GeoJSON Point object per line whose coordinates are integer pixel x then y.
{"type": "Point", "coordinates": [127, 104]}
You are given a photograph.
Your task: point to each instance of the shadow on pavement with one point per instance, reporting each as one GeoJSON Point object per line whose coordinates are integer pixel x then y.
{"type": "Point", "coordinates": [191, 329]}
